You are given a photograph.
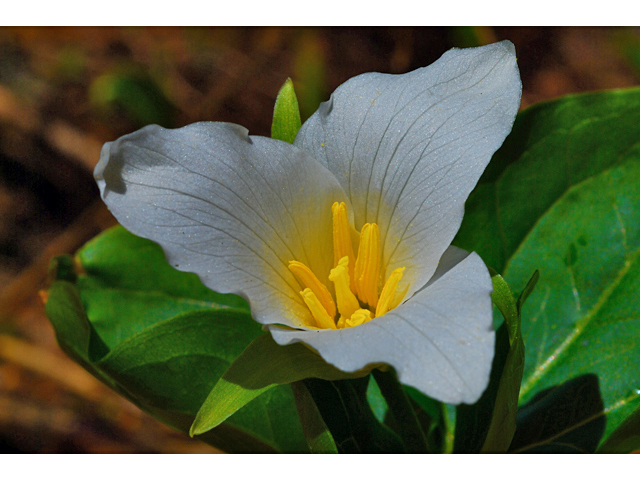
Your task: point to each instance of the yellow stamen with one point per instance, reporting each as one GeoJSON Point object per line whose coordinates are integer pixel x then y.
{"type": "Point", "coordinates": [355, 279]}
{"type": "Point", "coordinates": [317, 310]}
{"type": "Point", "coordinates": [310, 281]}
{"type": "Point", "coordinates": [367, 265]}
{"type": "Point", "coordinates": [342, 245]}
{"type": "Point", "coordinates": [388, 292]}
{"type": "Point", "coordinates": [347, 301]}
{"type": "Point", "coordinates": [359, 317]}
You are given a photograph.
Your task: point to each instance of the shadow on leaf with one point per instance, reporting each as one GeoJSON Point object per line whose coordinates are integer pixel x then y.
{"type": "Point", "coordinates": [568, 418]}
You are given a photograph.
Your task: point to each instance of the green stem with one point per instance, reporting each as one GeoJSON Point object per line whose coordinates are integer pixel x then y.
{"type": "Point", "coordinates": [400, 404]}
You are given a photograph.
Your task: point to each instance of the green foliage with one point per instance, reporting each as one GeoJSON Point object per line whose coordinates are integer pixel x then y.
{"type": "Point", "coordinates": [163, 340]}
{"type": "Point", "coordinates": [346, 412]}
{"type": "Point", "coordinates": [561, 196]}
{"type": "Point", "coordinates": [626, 437]}
{"type": "Point", "coordinates": [286, 114]}
{"type": "Point", "coordinates": [263, 365]}
{"type": "Point", "coordinates": [552, 147]}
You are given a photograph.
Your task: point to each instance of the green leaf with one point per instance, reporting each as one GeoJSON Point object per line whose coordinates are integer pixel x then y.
{"type": "Point", "coordinates": [553, 146]}
{"type": "Point", "coordinates": [569, 205]}
{"type": "Point", "coordinates": [585, 317]}
{"type": "Point", "coordinates": [315, 430]}
{"type": "Point", "coordinates": [625, 438]}
{"type": "Point", "coordinates": [286, 114]}
{"type": "Point", "coordinates": [74, 333]}
{"type": "Point", "coordinates": [118, 259]}
{"type": "Point", "coordinates": [346, 411]}
{"type": "Point", "coordinates": [531, 284]}
{"type": "Point", "coordinates": [565, 418]}
{"type": "Point", "coordinates": [263, 365]}
{"type": "Point", "coordinates": [127, 277]}
{"type": "Point", "coordinates": [162, 339]}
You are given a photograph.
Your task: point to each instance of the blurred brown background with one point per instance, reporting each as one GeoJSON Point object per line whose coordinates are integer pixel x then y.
{"type": "Point", "coordinates": [66, 91]}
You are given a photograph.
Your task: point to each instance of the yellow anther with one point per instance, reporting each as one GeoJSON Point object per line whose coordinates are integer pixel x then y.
{"type": "Point", "coordinates": [355, 279]}
{"type": "Point", "coordinates": [388, 292]}
{"type": "Point", "coordinates": [317, 310]}
{"type": "Point", "coordinates": [367, 265]}
{"type": "Point", "coordinates": [347, 301]}
{"type": "Point", "coordinates": [310, 281]}
{"type": "Point", "coordinates": [358, 318]}
{"type": "Point", "coordinates": [342, 245]}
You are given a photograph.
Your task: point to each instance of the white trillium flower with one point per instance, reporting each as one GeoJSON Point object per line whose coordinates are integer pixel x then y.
{"type": "Point", "coordinates": [342, 240]}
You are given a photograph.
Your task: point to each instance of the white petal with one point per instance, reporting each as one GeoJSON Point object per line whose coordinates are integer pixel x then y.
{"type": "Point", "coordinates": [231, 208]}
{"type": "Point", "coordinates": [441, 341]}
{"type": "Point", "coordinates": [408, 149]}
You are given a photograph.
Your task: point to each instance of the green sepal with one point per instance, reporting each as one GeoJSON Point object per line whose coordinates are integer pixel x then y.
{"type": "Point", "coordinates": [315, 430]}
{"type": "Point", "coordinates": [286, 114]}
{"type": "Point", "coordinates": [262, 365]}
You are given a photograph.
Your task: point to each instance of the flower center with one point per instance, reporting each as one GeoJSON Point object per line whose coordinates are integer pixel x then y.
{"type": "Point", "coordinates": [355, 279]}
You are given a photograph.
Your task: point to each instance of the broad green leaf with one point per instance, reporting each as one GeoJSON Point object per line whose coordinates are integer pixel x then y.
{"type": "Point", "coordinates": [199, 344]}
{"type": "Point", "coordinates": [262, 366]}
{"type": "Point", "coordinates": [118, 259]}
{"type": "Point", "coordinates": [127, 277]}
{"type": "Point", "coordinates": [553, 146]}
{"type": "Point", "coordinates": [162, 339]}
{"type": "Point", "coordinates": [286, 114]}
{"type": "Point", "coordinates": [173, 365]}
{"type": "Point", "coordinates": [584, 318]}
{"type": "Point", "coordinates": [568, 206]}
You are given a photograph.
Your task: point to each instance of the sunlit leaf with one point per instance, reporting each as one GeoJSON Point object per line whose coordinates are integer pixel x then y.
{"type": "Point", "coordinates": [263, 365]}
{"type": "Point", "coordinates": [561, 197]}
